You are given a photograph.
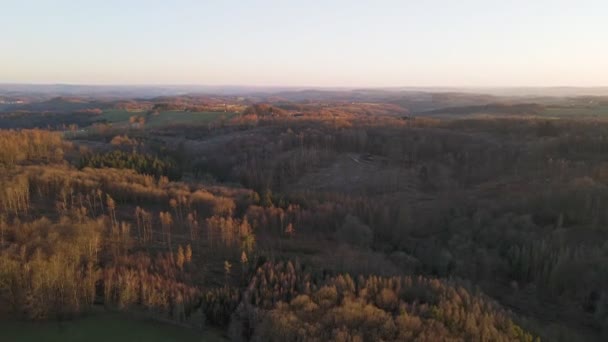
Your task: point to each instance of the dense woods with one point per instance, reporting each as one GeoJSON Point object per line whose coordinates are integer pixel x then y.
{"type": "Point", "coordinates": [30, 146]}
{"type": "Point", "coordinates": [140, 162]}
{"type": "Point", "coordinates": [288, 305]}
{"type": "Point", "coordinates": [307, 222]}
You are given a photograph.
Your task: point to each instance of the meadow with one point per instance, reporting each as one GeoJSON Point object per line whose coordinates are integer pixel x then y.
{"type": "Point", "coordinates": [576, 111]}
{"type": "Point", "coordinates": [101, 327]}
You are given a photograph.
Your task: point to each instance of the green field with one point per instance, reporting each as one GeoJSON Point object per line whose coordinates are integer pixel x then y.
{"type": "Point", "coordinates": [576, 111]}
{"type": "Point", "coordinates": [167, 117]}
{"type": "Point", "coordinates": [101, 328]}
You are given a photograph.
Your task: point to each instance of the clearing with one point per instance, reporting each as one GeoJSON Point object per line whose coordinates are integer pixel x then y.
{"type": "Point", "coordinates": [102, 327]}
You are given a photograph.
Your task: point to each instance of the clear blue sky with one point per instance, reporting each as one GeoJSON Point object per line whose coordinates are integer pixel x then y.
{"type": "Point", "coordinates": [308, 43]}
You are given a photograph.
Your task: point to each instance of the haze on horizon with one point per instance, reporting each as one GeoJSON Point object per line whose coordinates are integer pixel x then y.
{"type": "Point", "coordinates": [314, 43]}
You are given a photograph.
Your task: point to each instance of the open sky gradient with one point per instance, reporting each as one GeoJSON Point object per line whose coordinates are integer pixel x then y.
{"type": "Point", "coordinates": [305, 43]}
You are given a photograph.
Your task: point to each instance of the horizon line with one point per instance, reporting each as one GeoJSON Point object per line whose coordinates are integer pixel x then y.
{"type": "Point", "coordinates": [353, 87]}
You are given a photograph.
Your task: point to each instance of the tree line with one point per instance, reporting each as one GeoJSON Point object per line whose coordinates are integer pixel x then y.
{"type": "Point", "coordinates": [140, 162]}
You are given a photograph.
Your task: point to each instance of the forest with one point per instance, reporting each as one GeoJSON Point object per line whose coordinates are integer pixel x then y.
{"type": "Point", "coordinates": [312, 220]}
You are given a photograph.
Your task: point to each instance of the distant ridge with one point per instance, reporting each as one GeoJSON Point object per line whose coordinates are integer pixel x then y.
{"type": "Point", "coordinates": [148, 91]}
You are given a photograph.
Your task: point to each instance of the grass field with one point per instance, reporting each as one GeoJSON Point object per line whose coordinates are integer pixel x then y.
{"type": "Point", "coordinates": [576, 111]}
{"type": "Point", "coordinates": [101, 328]}
{"type": "Point", "coordinates": [167, 117]}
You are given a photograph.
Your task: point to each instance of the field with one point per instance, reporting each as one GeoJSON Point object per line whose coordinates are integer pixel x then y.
{"type": "Point", "coordinates": [167, 117]}
{"type": "Point", "coordinates": [102, 327]}
{"type": "Point", "coordinates": [576, 111]}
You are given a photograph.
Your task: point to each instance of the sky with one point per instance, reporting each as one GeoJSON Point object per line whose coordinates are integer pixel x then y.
{"type": "Point", "coordinates": [331, 43]}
